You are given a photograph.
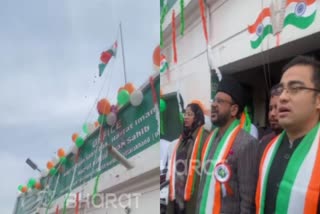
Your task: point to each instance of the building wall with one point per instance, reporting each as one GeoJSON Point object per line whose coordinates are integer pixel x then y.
{"type": "Point", "coordinates": [230, 41]}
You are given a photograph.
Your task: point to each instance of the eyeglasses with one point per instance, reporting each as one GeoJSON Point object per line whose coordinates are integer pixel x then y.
{"type": "Point", "coordinates": [188, 114]}
{"type": "Point", "coordinates": [292, 89]}
{"type": "Point", "coordinates": [221, 101]}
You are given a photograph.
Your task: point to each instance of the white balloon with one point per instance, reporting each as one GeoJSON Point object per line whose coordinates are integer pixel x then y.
{"type": "Point", "coordinates": [74, 149]}
{"type": "Point", "coordinates": [44, 173]}
{"type": "Point", "coordinates": [136, 98]}
{"type": "Point", "coordinates": [55, 160]}
{"type": "Point", "coordinates": [111, 118]}
{"type": "Point", "coordinates": [91, 128]}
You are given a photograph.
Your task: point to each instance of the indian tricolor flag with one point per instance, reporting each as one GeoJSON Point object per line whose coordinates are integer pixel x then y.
{"type": "Point", "coordinates": [261, 28]}
{"type": "Point", "coordinates": [106, 56]}
{"type": "Point", "coordinates": [300, 13]}
{"type": "Point", "coordinates": [164, 66]}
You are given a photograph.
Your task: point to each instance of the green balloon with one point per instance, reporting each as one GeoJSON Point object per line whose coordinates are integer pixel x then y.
{"type": "Point", "coordinates": [63, 160]}
{"type": "Point", "coordinates": [20, 187]}
{"type": "Point", "coordinates": [32, 182]}
{"type": "Point", "coordinates": [53, 171]}
{"type": "Point", "coordinates": [79, 142]}
{"type": "Point", "coordinates": [85, 128]}
{"type": "Point", "coordinates": [102, 119]}
{"type": "Point", "coordinates": [123, 97]}
{"type": "Point", "coordinates": [163, 105]}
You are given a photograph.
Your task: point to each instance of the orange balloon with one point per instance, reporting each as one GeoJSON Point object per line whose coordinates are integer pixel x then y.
{"type": "Point", "coordinates": [61, 153]}
{"type": "Point", "coordinates": [104, 107]}
{"type": "Point", "coordinates": [129, 87]}
{"type": "Point", "coordinates": [38, 185]}
{"type": "Point", "coordinates": [75, 136]}
{"type": "Point", "coordinates": [96, 124]}
{"type": "Point", "coordinates": [156, 56]}
{"type": "Point", "coordinates": [50, 164]}
{"type": "Point", "coordinates": [24, 189]}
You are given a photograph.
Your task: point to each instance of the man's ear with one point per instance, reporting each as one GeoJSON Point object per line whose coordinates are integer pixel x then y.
{"type": "Point", "coordinates": [234, 110]}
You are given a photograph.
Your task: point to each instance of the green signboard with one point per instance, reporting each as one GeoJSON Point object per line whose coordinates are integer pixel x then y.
{"type": "Point", "coordinates": [136, 130]}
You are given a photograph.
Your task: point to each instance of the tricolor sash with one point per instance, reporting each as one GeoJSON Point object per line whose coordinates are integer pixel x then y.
{"type": "Point", "coordinates": [299, 188]}
{"type": "Point", "coordinates": [191, 170]}
{"type": "Point", "coordinates": [214, 181]}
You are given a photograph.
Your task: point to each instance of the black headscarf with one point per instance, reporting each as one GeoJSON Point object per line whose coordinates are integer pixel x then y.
{"type": "Point", "coordinates": [197, 122]}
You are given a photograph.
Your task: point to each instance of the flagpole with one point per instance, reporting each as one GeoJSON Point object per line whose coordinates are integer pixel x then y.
{"type": "Point", "coordinates": [123, 57]}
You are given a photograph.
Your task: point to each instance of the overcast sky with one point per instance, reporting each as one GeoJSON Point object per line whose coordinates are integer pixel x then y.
{"type": "Point", "coordinates": [49, 56]}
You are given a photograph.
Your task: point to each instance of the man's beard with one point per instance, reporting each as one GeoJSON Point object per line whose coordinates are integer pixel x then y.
{"type": "Point", "coordinates": [222, 119]}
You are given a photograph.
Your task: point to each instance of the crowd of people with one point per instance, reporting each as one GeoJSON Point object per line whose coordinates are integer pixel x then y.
{"type": "Point", "coordinates": [230, 171]}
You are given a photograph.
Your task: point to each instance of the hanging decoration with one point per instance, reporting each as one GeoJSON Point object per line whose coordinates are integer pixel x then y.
{"type": "Point", "coordinates": [174, 42]}
{"type": "Point", "coordinates": [91, 128]}
{"type": "Point", "coordinates": [61, 153]}
{"type": "Point", "coordinates": [181, 17]}
{"type": "Point", "coordinates": [31, 183]}
{"type": "Point", "coordinates": [75, 136]}
{"type": "Point", "coordinates": [24, 189]}
{"type": "Point", "coordinates": [204, 20]}
{"type": "Point", "coordinates": [64, 210]}
{"type": "Point", "coordinates": [136, 98]}
{"type": "Point", "coordinates": [57, 209]}
{"type": "Point", "coordinates": [114, 108]}
{"type": "Point", "coordinates": [55, 160]}
{"type": "Point", "coordinates": [261, 28]}
{"type": "Point", "coordinates": [155, 100]}
{"type": "Point", "coordinates": [53, 171]}
{"type": "Point", "coordinates": [50, 164]}
{"type": "Point", "coordinates": [123, 97]}
{"type": "Point", "coordinates": [79, 142]}
{"type": "Point", "coordinates": [103, 107]}
{"type": "Point", "coordinates": [77, 203]}
{"type": "Point", "coordinates": [95, 188]}
{"type": "Point", "coordinates": [38, 186]}
{"type": "Point", "coordinates": [164, 12]}
{"type": "Point", "coordinates": [20, 188]}
{"type": "Point", "coordinates": [164, 65]}
{"type": "Point", "coordinates": [111, 119]}
{"type": "Point", "coordinates": [129, 87]}
{"type": "Point", "coordinates": [73, 149]}
{"type": "Point", "coordinates": [102, 119]}
{"type": "Point", "coordinates": [63, 160]}
{"type": "Point", "coordinates": [85, 128]}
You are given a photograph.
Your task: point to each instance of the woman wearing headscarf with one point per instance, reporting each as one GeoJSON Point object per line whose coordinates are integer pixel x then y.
{"type": "Point", "coordinates": [185, 163]}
